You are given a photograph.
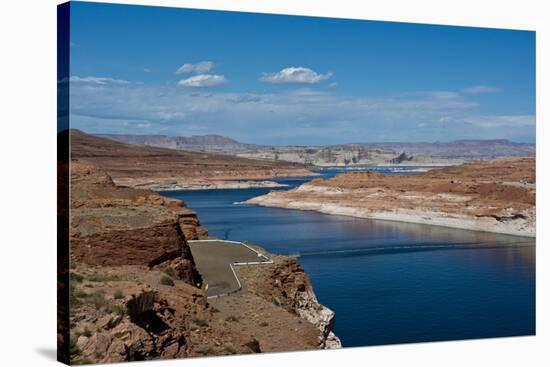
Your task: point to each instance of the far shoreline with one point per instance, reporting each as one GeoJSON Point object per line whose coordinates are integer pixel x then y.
{"type": "Point", "coordinates": [419, 217]}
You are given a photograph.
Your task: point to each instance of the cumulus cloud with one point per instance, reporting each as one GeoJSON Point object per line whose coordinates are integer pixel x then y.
{"type": "Point", "coordinates": [480, 89]}
{"type": "Point", "coordinates": [202, 81]}
{"type": "Point", "coordinates": [293, 74]}
{"type": "Point", "coordinates": [97, 80]}
{"type": "Point", "coordinates": [199, 68]}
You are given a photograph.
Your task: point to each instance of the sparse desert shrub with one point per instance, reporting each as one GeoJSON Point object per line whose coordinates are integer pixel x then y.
{"type": "Point", "coordinates": [170, 271]}
{"type": "Point", "coordinates": [264, 324]}
{"type": "Point", "coordinates": [73, 298]}
{"type": "Point", "coordinates": [204, 349]}
{"type": "Point", "coordinates": [80, 293]}
{"type": "Point", "coordinates": [87, 333]}
{"type": "Point", "coordinates": [75, 277]}
{"type": "Point", "coordinates": [102, 277]}
{"type": "Point", "coordinates": [232, 319]}
{"type": "Point", "coordinates": [101, 303]}
{"type": "Point", "coordinates": [98, 299]}
{"type": "Point", "coordinates": [200, 322]}
{"type": "Point", "coordinates": [118, 294]}
{"type": "Point", "coordinates": [112, 307]}
{"type": "Point", "coordinates": [214, 309]}
{"type": "Point", "coordinates": [82, 361]}
{"type": "Point", "coordinates": [74, 351]}
{"type": "Point", "coordinates": [167, 281]}
{"type": "Point", "coordinates": [230, 348]}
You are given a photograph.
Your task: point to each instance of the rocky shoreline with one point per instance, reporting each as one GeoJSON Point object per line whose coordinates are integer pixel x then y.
{"type": "Point", "coordinates": [517, 226]}
{"type": "Point", "coordinates": [492, 196]}
{"type": "Point", "coordinates": [286, 284]}
{"type": "Point", "coordinates": [208, 185]}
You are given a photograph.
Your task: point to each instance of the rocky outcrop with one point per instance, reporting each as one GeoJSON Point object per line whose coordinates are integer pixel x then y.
{"type": "Point", "coordinates": [152, 324]}
{"type": "Point", "coordinates": [291, 285]}
{"type": "Point", "coordinates": [113, 226]}
{"type": "Point", "coordinates": [286, 284]}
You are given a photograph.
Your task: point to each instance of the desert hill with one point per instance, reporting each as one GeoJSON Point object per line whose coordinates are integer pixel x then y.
{"type": "Point", "coordinates": [492, 196]}
{"type": "Point", "coordinates": [162, 168]}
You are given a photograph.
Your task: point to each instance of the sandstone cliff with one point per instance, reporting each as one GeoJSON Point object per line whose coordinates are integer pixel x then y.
{"type": "Point", "coordinates": [287, 284]}
{"type": "Point", "coordinates": [135, 291]}
{"type": "Point", "coordinates": [277, 304]}
{"type": "Point", "coordinates": [121, 226]}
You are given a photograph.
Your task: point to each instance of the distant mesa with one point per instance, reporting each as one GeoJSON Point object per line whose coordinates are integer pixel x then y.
{"type": "Point", "coordinates": [354, 154]}
{"type": "Point", "coordinates": [208, 143]}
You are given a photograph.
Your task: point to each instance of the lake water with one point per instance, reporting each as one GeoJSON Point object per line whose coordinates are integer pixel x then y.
{"type": "Point", "coordinates": [389, 282]}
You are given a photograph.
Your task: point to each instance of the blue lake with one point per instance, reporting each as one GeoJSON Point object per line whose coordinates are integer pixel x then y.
{"type": "Point", "coordinates": [389, 282]}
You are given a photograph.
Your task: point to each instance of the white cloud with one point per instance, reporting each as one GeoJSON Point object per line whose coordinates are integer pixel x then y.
{"type": "Point", "coordinates": [167, 116]}
{"type": "Point", "coordinates": [203, 80]}
{"type": "Point", "coordinates": [501, 121]}
{"type": "Point", "coordinates": [442, 94]}
{"type": "Point", "coordinates": [293, 74]}
{"type": "Point", "coordinates": [480, 89]}
{"type": "Point", "coordinates": [114, 125]}
{"type": "Point", "coordinates": [302, 116]}
{"type": "Point", "coordinates": [199, 68]}
{"type": "Point", "coordinates": [97, 80]}
{"type": "Point", "coordinates": [146, 70]}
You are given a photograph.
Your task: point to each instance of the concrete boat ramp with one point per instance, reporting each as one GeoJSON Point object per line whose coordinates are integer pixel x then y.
{"type": "Point", "coordinates": [215, 260]}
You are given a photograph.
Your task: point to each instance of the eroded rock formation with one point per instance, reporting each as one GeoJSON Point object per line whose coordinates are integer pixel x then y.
{"type": "Point", "coordinates": [291, 285]}
{"type": "Point", "coordinates": [492, 196]}
{"type": "Point", "coordinates": [286, 284]}
{"type": "Point", "coordinates": [113, 226]}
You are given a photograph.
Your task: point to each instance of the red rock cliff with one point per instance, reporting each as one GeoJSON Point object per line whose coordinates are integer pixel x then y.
{"type": "Point", "coordinates": [113, 226]}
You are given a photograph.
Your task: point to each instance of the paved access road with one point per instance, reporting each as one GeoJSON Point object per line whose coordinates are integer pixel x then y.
{"type": "Point", "coordinates": [214, 259]}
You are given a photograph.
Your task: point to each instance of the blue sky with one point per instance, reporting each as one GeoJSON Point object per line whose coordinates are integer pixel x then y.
{"type": "Point", "coordinates": [272, 79]}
